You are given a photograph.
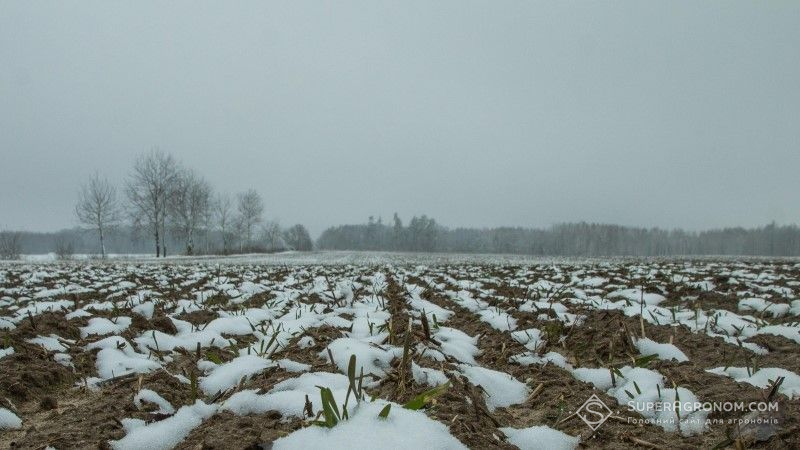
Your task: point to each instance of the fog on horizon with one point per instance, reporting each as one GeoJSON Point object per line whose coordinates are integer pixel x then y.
{"type": "Point", "coordinates": [680, 114]}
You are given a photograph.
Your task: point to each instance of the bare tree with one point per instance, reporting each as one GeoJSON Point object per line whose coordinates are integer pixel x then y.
{"type": "Point", "coordinates": [208, 226]}
{"type": "Point", "coordinates": [148, 188]}
{"type": "Point", "coordinates": [223, 216]}
{"type": "Point", "coordinates": [297, 238]}
{"type": "Point", "coordinates": [98, 207]}
{"type": "Point", "coordinates": [189, 204]}
{"type": "Point", "coordinates": [64, 247]}
{"type": "Point", "coordinates": [10, 244]}
{"type": "Point", "coordinates": [272, 236]}
{"type": "Point", "coordinates": [250, 210]}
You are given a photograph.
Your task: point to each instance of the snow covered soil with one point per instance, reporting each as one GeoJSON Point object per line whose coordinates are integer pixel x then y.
{"type": "Point", "coordinates": [388, 351]}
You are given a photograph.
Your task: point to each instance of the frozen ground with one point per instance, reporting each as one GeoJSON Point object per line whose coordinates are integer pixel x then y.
{"type": "Point", "coordinates": [443, 351]}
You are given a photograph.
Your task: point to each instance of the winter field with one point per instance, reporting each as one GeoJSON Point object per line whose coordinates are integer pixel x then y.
{"type": "Point", "coordinates": [344, 350]}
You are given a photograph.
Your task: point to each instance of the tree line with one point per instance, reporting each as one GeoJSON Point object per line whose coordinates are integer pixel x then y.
{"type": "Point", "coordinates": [172, 205]}
{"type": "Point", "coordinates": [163, 205]}
{"type": "Point", "coordinates": [569, 239]}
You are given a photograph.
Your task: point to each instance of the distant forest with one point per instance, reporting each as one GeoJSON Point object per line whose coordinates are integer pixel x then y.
{"type": "Point", "coordinates": [569, 239]}
{"type": "Point", "coordinates": [424, 234]}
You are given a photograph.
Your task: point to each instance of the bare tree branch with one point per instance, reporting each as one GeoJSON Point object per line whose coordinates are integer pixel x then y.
{"type": "Point", "coordinates": [98, 207]}
{"type": "Point", "coordinates": [148, 189]}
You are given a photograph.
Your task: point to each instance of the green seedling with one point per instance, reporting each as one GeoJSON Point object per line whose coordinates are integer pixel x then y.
{"type": "Point", "coordinates": [213, 357]}
{"type": "Point", "coordinates": [351, 375]}
{"type": "Point", "coordinates": [677, 401]}
{"type": "Point", "coordinates": [425, 398]}
{"type": "Point", "coordinates": [193, 386]}
{"type": "Point", "coordinates": [644, 361]}
{"type": "Point", "coordinates": [629, 394]}
{"type": "Point", "coordinates": [330, 412]}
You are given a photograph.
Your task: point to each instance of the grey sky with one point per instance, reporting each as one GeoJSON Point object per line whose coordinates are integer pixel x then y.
{"type": "Point", "coordinates": [478, 113]}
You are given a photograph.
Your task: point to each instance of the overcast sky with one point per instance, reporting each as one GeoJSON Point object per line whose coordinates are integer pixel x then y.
{"type": "Point", "coordinates": [672, 114]}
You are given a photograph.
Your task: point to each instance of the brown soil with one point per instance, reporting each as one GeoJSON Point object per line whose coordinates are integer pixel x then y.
{"type": "Point", "coordinates": [30, 374]}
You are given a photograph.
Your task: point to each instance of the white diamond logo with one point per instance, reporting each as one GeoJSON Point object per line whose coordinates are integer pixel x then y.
{"type": "Point", "coordinates": [594, 412]}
